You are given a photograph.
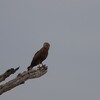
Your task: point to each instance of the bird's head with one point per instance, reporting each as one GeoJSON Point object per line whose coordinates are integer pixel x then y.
{"type": "Point", "coordinates": [46, 45]}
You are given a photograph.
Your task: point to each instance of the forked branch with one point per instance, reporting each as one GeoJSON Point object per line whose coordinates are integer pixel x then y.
{"type": "Point", "coordinates": [22, 77]}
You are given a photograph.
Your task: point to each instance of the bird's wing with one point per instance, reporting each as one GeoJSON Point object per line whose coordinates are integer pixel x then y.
{"type": "Point", "coordinates": [38, 54]}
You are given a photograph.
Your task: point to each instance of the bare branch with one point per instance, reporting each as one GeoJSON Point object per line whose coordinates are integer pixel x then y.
{"type": "Point", "coordinates": [8, 73]}
{"type": "Point", "coordinates": [22, 77]}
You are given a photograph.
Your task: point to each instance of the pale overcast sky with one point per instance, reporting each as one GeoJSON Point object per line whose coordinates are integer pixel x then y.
{"type": "Point", "coordinates": [72, 27]}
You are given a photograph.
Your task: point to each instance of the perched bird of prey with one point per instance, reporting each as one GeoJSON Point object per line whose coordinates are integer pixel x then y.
{"type": "Point", "coordinates": [40, 55]}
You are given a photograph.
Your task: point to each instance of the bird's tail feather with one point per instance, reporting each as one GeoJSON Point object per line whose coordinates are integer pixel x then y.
{"type": "Point", "coordinates": [29, 67]}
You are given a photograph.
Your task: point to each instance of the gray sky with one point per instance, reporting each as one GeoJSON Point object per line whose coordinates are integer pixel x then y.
{"type": "Point", "coordinates": [72, 27]}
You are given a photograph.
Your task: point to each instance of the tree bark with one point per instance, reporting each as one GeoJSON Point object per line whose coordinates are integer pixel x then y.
{"type": "Point", "coordinates": [22, 77]}
{"type": "Point", "coordinates": [8, 73]}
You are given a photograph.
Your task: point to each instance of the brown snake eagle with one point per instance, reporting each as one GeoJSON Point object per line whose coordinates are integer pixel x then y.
{"type": "Point", "coordinates": [40, 56]}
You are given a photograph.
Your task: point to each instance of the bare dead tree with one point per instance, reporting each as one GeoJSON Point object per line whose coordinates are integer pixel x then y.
{"type": "Point", "coordinates": [20, 78]}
